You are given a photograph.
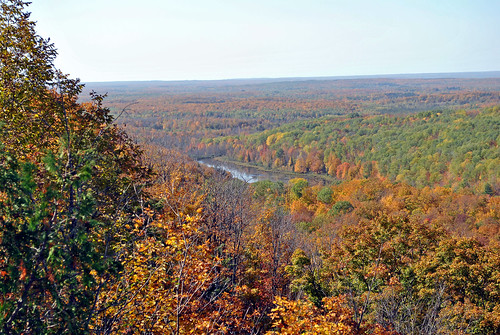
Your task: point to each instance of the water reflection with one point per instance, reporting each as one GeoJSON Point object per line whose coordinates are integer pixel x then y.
{"type": "Point", "coordinates": [252, 175]}
{"type": "Point", "coordinates": [241, 173]}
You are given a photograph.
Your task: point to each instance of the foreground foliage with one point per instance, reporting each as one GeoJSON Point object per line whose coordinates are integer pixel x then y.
{"type": "Point", "coordinates": [100, 236]}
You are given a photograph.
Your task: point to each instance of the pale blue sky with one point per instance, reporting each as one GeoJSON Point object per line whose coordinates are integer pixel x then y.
{"type": "Point", "coordinates": [108, 40]}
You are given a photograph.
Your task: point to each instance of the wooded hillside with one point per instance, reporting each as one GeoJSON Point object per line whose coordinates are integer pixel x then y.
{"type": "Point", "coordinates": [447, 148]}
{"type": "Point", "coordinates": [100, 235]}
{"type": "Point", "coordinates": [179, 115]}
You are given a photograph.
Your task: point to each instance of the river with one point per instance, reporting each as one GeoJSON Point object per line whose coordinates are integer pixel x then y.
{"type": "Point", "coordinates": [252, 175]}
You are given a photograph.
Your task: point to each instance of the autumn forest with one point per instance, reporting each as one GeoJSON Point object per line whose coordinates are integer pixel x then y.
{"type": "Point", "coordinates": [386, 219]}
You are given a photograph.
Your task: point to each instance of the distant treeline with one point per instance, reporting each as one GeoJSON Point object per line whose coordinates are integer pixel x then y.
{"type": "Point", "coordinates": [180, 115]}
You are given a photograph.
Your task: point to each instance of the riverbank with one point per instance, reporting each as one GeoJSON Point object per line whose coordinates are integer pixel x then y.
{"type": "Point", "coordinates": [257, 173]}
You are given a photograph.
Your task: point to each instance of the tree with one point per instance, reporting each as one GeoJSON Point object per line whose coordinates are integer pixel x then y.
{"type": "Point", "coordinates": [228, 214]}
{"type": "Point", "coordinates": [298, 186]}
{"type": "Point", "coordinates": [325, 195]}
{"type": "Point", "coordinates": [341, 207]}
{"type": "Point", "coordinates": [488, 189]}
{"type": "Point", "coordinates": [70, 181]}
{"type": "Point", "coordinates": [470, 273]}
{"type": "Point", "coordinates": [303, 317]}
{"type": "Point", "coordinates": [305, 278]}
{"type": "Point", "coordinates": [300, 165]}
{"type": "Point", "coordinates": [28, 80]}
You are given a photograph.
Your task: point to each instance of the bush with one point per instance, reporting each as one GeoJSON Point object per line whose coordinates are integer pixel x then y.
{"type": "Point", "coordinates": [325, 195]}
{"type": "Point", "coordinates": [341, 207]}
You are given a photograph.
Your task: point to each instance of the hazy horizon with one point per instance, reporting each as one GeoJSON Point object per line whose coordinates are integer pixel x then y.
{"type": "Point", "coordinates": [437, 75]}
{"type": "Point", "coordinates": [218, 40]}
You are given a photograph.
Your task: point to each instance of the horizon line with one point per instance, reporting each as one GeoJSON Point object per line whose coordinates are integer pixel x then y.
{"type": "Point", "coordinates": [416, 75]}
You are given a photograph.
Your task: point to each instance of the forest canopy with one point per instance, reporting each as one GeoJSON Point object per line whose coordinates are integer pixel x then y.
{"type": "Point", "coordinates": [448, 148]}
{"type": "Point", "coordinates": [100, 235]}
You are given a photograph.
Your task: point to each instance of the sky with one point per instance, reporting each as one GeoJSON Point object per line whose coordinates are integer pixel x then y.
{"type": "Point", "coordinates": [124, 40]}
